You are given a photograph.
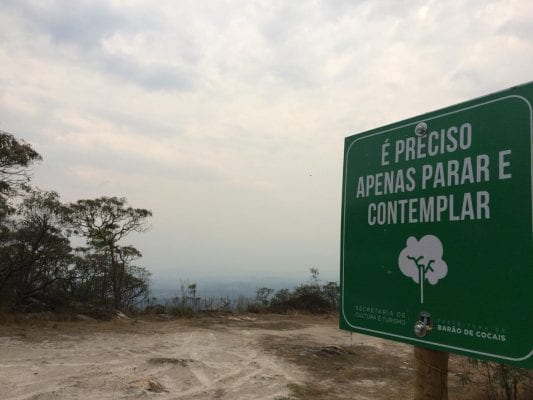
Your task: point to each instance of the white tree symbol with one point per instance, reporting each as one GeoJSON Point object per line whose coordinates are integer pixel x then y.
{"type": "Point", "coordinates": [421, 260]}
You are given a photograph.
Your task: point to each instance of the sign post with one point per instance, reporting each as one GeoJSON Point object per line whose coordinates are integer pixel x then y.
{"type": "Point", "coordinates": [437, 230]}
{"type": "Point", "coordinates": [431, 374]}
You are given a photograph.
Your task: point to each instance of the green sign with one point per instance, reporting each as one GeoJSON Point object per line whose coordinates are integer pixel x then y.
{"type": "Point", "coordinates": [437, 230]}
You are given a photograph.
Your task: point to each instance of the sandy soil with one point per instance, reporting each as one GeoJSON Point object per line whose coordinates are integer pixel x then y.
{"type": "Point", "coordinates": [223, 357]}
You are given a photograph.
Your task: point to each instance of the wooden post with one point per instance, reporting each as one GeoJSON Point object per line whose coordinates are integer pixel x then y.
{"type": "Point", "coordinates": [431, 374]}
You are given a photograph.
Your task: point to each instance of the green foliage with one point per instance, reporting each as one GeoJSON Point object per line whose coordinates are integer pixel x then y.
{"type": "Point", "coordinates": [35, 254]}
{"type": "Point", "coordinates": [303, 298]}
{"type": "Point", "coordinates": [91, 278]}
{"type": "Point", "coordinates": [38, 268]}
{"type": "Point", "coordinates": [282, 296]}
{"type": "Point", "coordinates": [311, 297]}
{"type": "Point", "coordinates": [331, 291]}
{"type": "Point", "coordinates": [16, 157]}
{"type": "Point", "coordinates": [104, 222]}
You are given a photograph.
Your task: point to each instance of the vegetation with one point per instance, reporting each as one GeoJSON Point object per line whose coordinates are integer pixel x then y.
{"type": "Point", "coordinates": [104, 222]}
{"type": "Point", "coordinates": [311, 296]}
{"type": "Point", "coordinates": [39, 268]}
{"type": "Point", "coordinates": [499, 381]}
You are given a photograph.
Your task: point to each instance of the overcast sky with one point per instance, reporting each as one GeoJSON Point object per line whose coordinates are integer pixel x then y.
{"type": "Point", "coordinates": [227, 118]}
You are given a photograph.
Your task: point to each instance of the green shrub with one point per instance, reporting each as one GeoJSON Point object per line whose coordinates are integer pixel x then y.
{"type": "Point", "coordinates": [311, 297]}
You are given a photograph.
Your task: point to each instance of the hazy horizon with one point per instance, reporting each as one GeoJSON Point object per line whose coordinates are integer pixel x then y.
{"type": "Point", "coordinates": [227, 119]}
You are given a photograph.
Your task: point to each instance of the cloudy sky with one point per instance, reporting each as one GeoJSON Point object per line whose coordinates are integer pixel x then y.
{"type": "Point", "coordinates": [227, 118]}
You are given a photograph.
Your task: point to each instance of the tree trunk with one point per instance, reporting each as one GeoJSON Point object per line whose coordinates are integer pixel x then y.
{"type": "Point", "coordinates": [117, 290]}
{"type": "Point", "coordinates": [431, 379]}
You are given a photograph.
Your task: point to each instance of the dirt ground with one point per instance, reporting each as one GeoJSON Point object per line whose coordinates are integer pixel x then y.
{"type": "Point", "coordinates": [220, 357]}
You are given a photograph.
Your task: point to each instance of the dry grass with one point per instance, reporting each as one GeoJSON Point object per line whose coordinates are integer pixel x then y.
{"type": "Point", "coordinates": [339, 372]}
{"type": "Point", "coordinates": [355, 372]}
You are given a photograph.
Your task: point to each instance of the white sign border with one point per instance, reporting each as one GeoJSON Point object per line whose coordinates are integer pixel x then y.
{"type": "Point", "coordinates": [407, 338]}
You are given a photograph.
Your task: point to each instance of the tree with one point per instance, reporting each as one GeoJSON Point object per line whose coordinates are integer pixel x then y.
{"type": "Point", "coordinates": [282, 296]}
{"type": "Point", "coordinates": [136, 286]}
{"type": "Point", "coordinates": [314, 276]}
{"type": "Point", "coordinates": [331, 291]}
{"type": "Point", "coordinates": [35, 253]}
{"type": "Point", "coordinates": [310, 296]}
{"type": "Point", "coordinates": [104, 222]}
{"type": "Point", "coordinates": [16, 157]}
{"type": "Point", "coordinates": [135, 281]}
{"type": "Point", "coordinates": [91, 280]}
{"type": "Point", "coordinates": [263, 294]}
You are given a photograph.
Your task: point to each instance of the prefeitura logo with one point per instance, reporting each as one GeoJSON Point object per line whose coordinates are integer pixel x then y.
{"type": "Point", "coordinates": [422, 260]}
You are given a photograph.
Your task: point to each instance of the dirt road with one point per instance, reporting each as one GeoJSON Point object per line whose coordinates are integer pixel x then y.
{"type": "Point", "coordinates": [223, 357]}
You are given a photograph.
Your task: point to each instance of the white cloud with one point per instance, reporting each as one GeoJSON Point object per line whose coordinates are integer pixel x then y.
{"type": "Point", "coordinates": [211, 103]}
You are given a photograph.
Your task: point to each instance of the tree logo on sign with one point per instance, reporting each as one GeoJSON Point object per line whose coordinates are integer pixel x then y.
{"type": "Point", "coordinates": [422, 260]}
